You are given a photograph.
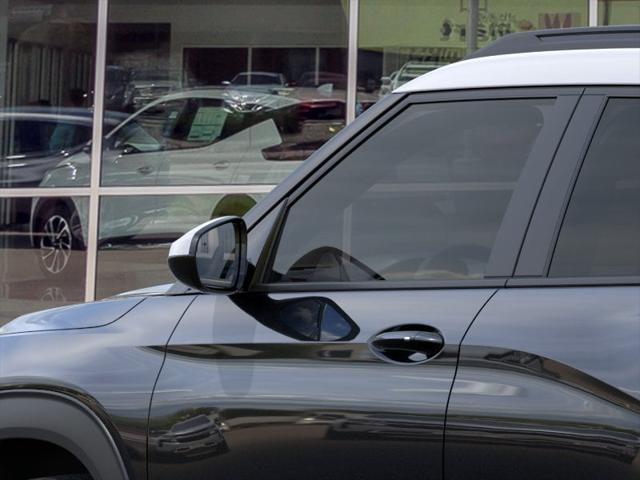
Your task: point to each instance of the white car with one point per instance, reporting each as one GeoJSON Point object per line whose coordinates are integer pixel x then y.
{"type": "Point", "coordinates": [193, 137]}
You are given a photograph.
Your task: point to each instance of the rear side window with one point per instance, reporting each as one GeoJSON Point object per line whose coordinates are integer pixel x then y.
{"type": "Point", "coordinates": [422, 199]}
{"type": "Point", "coordinates": [600, 235]}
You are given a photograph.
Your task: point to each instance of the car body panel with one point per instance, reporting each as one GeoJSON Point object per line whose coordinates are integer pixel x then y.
{"type": "Point", "coordinates": [324, 409]}
{"type": "Point", "coordinates": [112, 368]}
{"type": "Point", "coordinates": [70, 317]}
{"type": "Point", "coordinates": [548, 386]}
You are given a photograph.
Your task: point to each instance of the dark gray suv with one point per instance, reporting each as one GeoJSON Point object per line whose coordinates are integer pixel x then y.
{"type": "Point", "coordinates": [448, 289]}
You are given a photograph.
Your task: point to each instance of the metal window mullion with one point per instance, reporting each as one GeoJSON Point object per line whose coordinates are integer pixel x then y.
{"type": "Point", "coordinates": [96, 150]}
{"type": "Point", "coordinates": [593, 13]}
{"type": "Point", "coordinates": [352, 60]}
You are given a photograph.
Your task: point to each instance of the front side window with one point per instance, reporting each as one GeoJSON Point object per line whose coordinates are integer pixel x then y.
{"type": "Point", "coordinates": [422, 199]}
{"type": "Point", "coordinates": [600, 235]}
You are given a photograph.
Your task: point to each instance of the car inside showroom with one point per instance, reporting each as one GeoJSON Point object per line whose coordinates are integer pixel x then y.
{"type": "Point", "coordinates": [124, 124]}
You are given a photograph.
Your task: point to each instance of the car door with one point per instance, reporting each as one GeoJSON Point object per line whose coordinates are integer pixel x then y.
{"type": "Point", "coordinates": [338, 359]}
{"type": "Point", "coordinates": [548, 382]}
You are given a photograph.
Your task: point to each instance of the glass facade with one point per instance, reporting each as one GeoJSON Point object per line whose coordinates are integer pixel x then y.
{"type": "Point", "coordinates": [125, 123]}
{"type": "Point", "coordinates": [618, 12]}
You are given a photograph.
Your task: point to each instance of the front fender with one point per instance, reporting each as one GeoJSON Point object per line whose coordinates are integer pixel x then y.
{"type": "Point", "coordinates": [67, 422]}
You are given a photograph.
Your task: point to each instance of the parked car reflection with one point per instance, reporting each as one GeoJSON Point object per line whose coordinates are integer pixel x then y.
{"type": "Point", "coordinates": [35, 139]}
{"type": "Point", "coordinates": [196, 437]}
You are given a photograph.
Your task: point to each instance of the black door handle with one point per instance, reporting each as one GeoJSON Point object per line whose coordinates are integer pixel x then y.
{"type": "Point", "coordinates": [407, 346]}
{"type": "Point", "coordinates": [145, 170]}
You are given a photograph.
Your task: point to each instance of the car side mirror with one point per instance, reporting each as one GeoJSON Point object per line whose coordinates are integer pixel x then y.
{"type": "Point", "coordinates": [212, 257]}
{"type": "Point", "coordinates": [226, 83]}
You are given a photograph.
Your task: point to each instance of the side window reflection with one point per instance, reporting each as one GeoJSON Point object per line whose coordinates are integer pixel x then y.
{"type": "Point", "coordinates": [422, 199]}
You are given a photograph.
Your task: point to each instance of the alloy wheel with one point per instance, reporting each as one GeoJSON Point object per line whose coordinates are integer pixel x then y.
{"type": "Point", "coordinates": [55, 244]}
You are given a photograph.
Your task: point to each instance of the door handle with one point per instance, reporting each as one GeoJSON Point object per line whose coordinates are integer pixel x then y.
{"type": "Point", "coordinates": [407, 346]}
{"type": "Point", "coordinates": [145, 170]}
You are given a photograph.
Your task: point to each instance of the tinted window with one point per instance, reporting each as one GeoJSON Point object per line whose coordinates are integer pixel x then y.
{"type": "Point", "coordinates": [422, 199]}
{"type": "Point", "coordinates": [601, 230]}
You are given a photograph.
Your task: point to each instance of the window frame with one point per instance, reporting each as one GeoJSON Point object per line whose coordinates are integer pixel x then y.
{"type": "Point", "coordinates": [548, 218]}
{"type": "Point", "coordinates": [509, 237]}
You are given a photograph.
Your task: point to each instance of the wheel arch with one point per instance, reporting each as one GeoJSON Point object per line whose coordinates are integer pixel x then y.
{"type": "Point", "coordinates": [65, 421]}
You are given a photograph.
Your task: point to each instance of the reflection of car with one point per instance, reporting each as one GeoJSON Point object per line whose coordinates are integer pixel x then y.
{"type": "Point", "coordinates": [449, 289]}
{"type": "Point", "coordinates": [315, 79]}
{"type": "Point", "coordinates": [141, 93]}
{"type": "Point", "coordinates": [263, 80]}
{"type": "Point", "coordinates": [146, 86]}
{"type": "Point", "coordinates": [198, 436]}
{"type": "Point", "coordinates": [36, 139]}
{"type": "Point", "coordinates": [406, 73]}
{"type": "Point", "coordinates": [115, 89]}
{"type": "Point", "coordinates": [201, 136]}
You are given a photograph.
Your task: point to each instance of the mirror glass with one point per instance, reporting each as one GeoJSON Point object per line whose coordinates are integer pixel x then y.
{"type": "Point", "coordinates": [217, 256]}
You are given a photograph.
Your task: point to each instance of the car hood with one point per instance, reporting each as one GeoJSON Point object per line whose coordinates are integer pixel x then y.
{"type": "Point", "coordinates": [73, 317]}
{"type": "Point", "coordinates": [154, 291]}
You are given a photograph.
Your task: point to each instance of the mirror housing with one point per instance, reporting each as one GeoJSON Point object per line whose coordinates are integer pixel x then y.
{"type": "Point", "coordinates": [212, 257]}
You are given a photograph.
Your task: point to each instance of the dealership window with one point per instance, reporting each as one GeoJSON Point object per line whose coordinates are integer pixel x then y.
{"type": "Point", "coordinates": [47, 62]}
{"type": "Point", "coordinates": [42, 257]}
{"type": "Point", "coordinates": [206, 98]}
{"type": "Point", "coordinates": [400, 40]}
{"type": "Point", "coordinates": [260, 85]}
{"type": "Point", "coordinates": [136, 231]}
{"type": "Point", "coordinates": [618, 12]}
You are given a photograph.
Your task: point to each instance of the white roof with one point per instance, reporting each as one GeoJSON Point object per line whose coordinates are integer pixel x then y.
{"type": "Point", "coordinates": [613, 66]}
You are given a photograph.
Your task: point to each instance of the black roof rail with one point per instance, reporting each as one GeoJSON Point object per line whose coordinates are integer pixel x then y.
{"type": "Point", "coordinates": [618, 36]}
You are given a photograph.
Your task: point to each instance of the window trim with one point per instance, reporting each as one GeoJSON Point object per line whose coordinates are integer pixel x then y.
{"type": "Point", "coordinates": [512, 232]}
{"type": "Point", "coordinates": [544, 231]}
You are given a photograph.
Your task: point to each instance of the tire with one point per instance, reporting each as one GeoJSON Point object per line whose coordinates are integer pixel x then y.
{"type": "Point", "coordinates": [57, 234]}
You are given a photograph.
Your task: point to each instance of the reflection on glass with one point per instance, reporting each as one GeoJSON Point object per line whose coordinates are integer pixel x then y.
{"type": "Point", "coordinates": [618, 12]}
{"type": "Point", "coordinates": [46, 80]}
{"type": "Point", "coordinates": [47, 59]}
{"type": "Point", "coordinates": [401, 40]}
{"type": "Point", "coordinates": [136, 231]}
{"type": "Point", "coordinates": [221, 94]}
{"type": "Point", "coordinates": [420, 200]}
{"type": "Point", "coordinates": [217, 256]}
{"type": "Point", "coordinates": [601, 231]}
{"type": "Point", "coordinates": [42, 257]}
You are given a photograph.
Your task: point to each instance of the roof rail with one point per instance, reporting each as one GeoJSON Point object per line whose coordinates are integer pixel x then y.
{"type": "Point", "coordinates": [619, 36]}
